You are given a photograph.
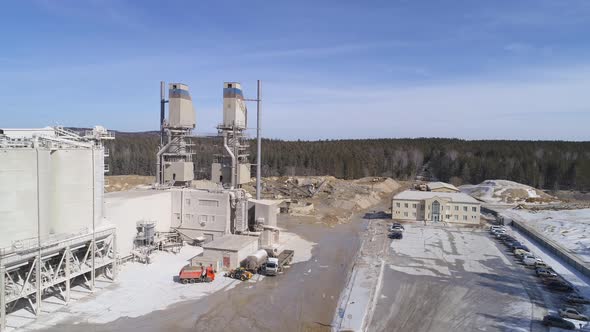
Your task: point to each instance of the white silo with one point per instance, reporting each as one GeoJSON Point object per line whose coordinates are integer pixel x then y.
{"type": "Point", "coordinates": [235, 113]}
{"type": "Point", "coordinates": [24, 175]}
{"type": "Point", "coordinates": [72, 190]}
{"type": "Point", "coordinates": [180, 107]}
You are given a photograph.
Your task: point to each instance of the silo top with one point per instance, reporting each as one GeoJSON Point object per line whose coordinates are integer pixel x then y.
{"type": "Point", "coordinates": [179, 90]}
{"type": "Point", "coordinates": [232, 90]}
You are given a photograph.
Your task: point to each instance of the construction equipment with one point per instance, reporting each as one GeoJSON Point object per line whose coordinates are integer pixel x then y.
{"type": "Point", "coordinates": [190, 274]}
{"type": "Point", "coordinates": [240, 273]}
{"type": "Point", "coordinates": [274, 265]}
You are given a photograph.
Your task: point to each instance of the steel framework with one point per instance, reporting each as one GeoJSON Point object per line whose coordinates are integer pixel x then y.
{"type": "Point", "coordinates": [29, 272]}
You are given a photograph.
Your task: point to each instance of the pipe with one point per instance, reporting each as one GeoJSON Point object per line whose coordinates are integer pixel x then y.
{"type": "Point", "coordinates": [159, 164]}
{"type": "Point", "coordinates": [38, 267]}
{"type": "Point", "coordinates": [233, 161]}
{"type": "Point", "coordinates": [162, 110]}
{"type": "Point", "coordinates": [259, 140]}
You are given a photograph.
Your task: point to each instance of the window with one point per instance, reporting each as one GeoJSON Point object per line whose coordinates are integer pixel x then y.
{"type": "Point", "coordinates": [473, 217]}
{"type": "Point", "coordinates": [405, 205]}
{"type": "Point", "coordinates": [456, 208]}
{"type": "Point", "coordinates": [188, 201]}
{"type": "Point", "coordinates": [465, 208]}
{"type": "Point", "coordinates": [212, 218]}
{"type": "Point", "coordinates": [405, 214]}
{"type": "Point", "coordinates": [187, 217]}
{"type": "Point", "coordinates": [464, 217]}
{"type": "Point", "coordinates": [208, 202]}
{"type": "Point", "coordinates": [474, 209]}
{"type": "Point", "coordinates": [448, 216]}
{"type": "Point", "coordinates": [414, 205]}
{"type": "Point", "coordinates": [456, 217]}
{"type": "Point", "coordinates": [203, 218]}
{"type": "Point", "coordinates": [448, 208]}
{"type": "Point", "coordinates": [397, 204]}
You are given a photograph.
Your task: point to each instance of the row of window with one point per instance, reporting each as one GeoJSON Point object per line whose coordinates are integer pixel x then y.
{"type": "Point", "coordinates": [204, 202]}
{"type": "Point", "coordinates": [465, 208]}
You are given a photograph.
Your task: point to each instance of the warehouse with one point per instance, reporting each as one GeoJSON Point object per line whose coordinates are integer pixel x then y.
{"type": "Point", "coordinates": [435, 206]}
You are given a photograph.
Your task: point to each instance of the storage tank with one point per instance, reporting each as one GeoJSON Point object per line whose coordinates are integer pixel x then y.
{"type": "Point", "coordinates": [20, 204]}
{"type": "Point", "coordinates": [254, 262]}
{"type": "Point", "coordinates": [72, 190]}
{"type": "Point", "coordinates": [235, 113]}
{"type": "Point", "coordinates": [180, 107]}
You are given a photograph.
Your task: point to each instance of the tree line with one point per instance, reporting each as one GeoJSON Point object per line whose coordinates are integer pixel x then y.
{"type": "Point", "coordinates": [542, 164]}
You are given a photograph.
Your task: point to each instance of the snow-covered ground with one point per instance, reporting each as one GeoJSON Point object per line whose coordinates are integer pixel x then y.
{"type": "Point", "coordinates": [581, 282]}
{"type": "Point", "coordinates": [141, 289]}
{"type": "Point", "coordinates": [503, 191]}
{"type": "Point", "coordinates": [568, 228]}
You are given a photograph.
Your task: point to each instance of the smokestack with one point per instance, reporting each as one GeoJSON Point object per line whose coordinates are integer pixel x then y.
{"type": "Point", "coordinates": [162, 110]}
{"type": "Point", "coordinates": [259, 140]}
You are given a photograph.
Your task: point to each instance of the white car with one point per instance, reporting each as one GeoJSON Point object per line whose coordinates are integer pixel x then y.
{"type": "Point", "coordinates": [531, 261]}
{"type": "Point", "coordinates": [572, 313]}
{"type": "Point", "coordinates": [521, 252]}
{"type": "Point", "coordinates": [495, 228]}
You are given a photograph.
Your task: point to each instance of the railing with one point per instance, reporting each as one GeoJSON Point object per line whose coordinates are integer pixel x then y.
{"type": "Point", "coordinates": [106, 152]}
{"type": "Point", "coordinates": [106, 168]}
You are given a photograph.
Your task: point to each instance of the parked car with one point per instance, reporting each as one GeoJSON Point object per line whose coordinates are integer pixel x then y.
{"type": "Point", "coordinates": [545, 273]}
{"type": "Point", "coordinates": [531, 261]}
{"type": "Point", "coordinates": [575, 298]}
{"type": "Point", "coordinates": [553, 320]}
{"type": "Point", "coordinates": [396, 235]}
{"type": "Point", "coordinates": [572, 313]}
{"type": "Point", "coordinates": [520, 252]}
{"type": "Point", "coordinates": [542, 265]}
{"type": "Point", "coordinates": [559, 285]}
{"type": "Point", "coordinates": [396, 226]}
{"type": "Point", "coordinates": [519, 246]}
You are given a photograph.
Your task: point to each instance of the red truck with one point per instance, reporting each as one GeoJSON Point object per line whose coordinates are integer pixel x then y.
{"type": "Point", "coordinates": [191, 274]}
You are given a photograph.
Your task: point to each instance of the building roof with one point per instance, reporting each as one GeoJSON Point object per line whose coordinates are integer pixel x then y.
{"type": "Point", "coordinates": [421, 195]}
{"type": "Point", "coordinates": [268, 202]}
{"type": "Point", "coordinates": [231, 242]}
{"type": "Point", "coordinates": [439, 185]}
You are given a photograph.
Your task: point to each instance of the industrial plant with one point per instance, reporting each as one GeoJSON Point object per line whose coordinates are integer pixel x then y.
{"type": "Point", "coordinates": [59, 229]}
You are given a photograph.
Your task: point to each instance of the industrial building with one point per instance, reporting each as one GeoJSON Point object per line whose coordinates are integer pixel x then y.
{"type": "Point", "coordinates": [59, 227]}
{"type": "Point", "coordinates": [435, 206]}
{"type": "Point", "coordinates": [51, 214]}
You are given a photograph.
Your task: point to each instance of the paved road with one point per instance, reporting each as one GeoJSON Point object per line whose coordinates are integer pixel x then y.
{"type": "Point", "coordinates": [449, 279]}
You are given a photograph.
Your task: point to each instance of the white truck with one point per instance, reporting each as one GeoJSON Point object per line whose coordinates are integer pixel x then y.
{"type": "Point", "coordinates": [274, 265]}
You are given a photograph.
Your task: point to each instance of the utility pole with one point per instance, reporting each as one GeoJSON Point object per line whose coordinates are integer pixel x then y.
{"type": "Point", "coordinates": [259, 140]}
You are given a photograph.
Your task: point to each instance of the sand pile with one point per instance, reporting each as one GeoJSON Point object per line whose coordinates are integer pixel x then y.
{"type": "Point", "coordinates": [504, 191]}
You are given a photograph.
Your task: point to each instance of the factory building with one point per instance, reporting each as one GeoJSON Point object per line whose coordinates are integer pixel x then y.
{"type": "Point", "coordinates": [51, 213]}
{"type": "Point", "coordinates": [436, 207]}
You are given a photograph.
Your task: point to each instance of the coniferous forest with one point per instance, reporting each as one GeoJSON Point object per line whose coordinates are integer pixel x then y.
{"type": "Point", "coordinates": [543, 164]}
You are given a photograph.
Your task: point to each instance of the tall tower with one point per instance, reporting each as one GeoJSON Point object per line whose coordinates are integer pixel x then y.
{"type": "Point", "coordinates": [175, 163]}
{"type": "Point", "coordinates": [232, 168]}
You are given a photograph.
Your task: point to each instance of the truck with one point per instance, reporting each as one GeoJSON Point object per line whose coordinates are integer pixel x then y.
{"type": "Point", "coordinates": [255, 262]}
{"type": "Point", "coordinates": [191, 274]}
{"type": "Point", "coordinates": [274, 265]}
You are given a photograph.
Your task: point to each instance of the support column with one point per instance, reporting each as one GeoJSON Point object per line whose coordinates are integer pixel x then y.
{"type": "Point", "coordinates": [38, 285]}
{"type": "Point", "coordinates": [68, 281]}
{"type": "Point", "coordinates": [2, 298]}
{"type": "Point", "coordinates": [114, 248]}
{"type": "Point", "coordinates": [92, 271]}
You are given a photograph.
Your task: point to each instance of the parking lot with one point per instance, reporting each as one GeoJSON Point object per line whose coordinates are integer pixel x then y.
{"type": "Point", "coordinates": [455, 279]}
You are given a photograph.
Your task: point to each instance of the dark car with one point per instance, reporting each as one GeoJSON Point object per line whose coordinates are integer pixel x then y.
{"type": "Point", "coordinates": [396, 235]}
{"type": "Point", "coordinates": [553, 320]}
{"type": "Point", "coordinates": [559, 285]}
{"type": "Point", "coordinates": [519, 246]}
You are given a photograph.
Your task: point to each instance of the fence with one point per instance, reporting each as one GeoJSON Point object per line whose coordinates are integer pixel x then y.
{"type": "Point", "coordinates": [555, 248]}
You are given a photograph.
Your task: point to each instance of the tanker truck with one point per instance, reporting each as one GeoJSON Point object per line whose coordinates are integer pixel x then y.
{"type": "Point", "coordinates": [255, 262]}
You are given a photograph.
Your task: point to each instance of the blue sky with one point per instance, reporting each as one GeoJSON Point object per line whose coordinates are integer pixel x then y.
{"type": "Point", "coordinates": [330, 69]}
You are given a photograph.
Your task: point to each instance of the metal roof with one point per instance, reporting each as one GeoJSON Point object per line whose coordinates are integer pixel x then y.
{"type": "Point", "coordinates": [231, 242]}
{"type": "Point", "coordinates": [422, 195]}
{"type": "Point", "coordinates": [437, 185]}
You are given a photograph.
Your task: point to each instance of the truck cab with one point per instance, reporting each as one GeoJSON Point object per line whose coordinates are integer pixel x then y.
{"type": "Point", "coordinates": [272, 266]}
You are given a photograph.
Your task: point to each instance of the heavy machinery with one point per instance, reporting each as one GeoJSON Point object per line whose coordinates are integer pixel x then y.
{"type": "Point", "coordinates": [240, 273]}
{"type": "Point", "coordinates": [274, 265]}
{"type": "Point", "coordinates": [190, 274]}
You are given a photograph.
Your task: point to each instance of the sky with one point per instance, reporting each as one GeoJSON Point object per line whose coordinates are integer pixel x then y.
{"type": "Point", "coordinates": [329, 69]}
